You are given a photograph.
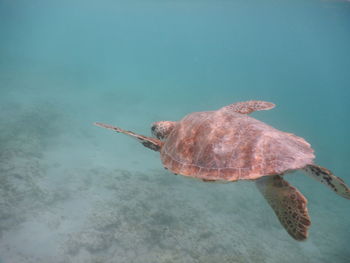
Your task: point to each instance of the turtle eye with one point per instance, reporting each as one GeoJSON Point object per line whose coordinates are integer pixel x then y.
{"type": "Point", "coordinates": [154, 130]}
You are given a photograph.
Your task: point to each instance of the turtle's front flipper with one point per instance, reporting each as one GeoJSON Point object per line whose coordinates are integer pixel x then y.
{"type": "Point", "coordinates": [326, 177]}
{"type": "Point", "coordinates": [247, 107]}
{"type": "Point", "coordinates": [151, 143]}
{"type": "Point", "coordinates": [288, 203]}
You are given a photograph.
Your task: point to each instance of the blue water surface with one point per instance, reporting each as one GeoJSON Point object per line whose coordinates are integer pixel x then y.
{"type": "Point", "coordinates": [72, 192]}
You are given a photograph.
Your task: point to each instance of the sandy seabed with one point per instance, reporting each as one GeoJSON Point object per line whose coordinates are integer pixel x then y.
{"type": "Point", "coordinates": [62, 200]}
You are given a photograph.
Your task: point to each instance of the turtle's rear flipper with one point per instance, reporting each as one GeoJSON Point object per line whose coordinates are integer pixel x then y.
{"type": "Point", "coordinates": [151, 143]}
{"type": "Point", "coordinates": [288, 203]}
{"type": "Point", "coordinates": [326, 177]}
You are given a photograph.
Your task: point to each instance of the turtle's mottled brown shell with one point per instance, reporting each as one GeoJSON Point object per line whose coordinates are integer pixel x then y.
{"type": "Point", "coordinates": [225, 145]}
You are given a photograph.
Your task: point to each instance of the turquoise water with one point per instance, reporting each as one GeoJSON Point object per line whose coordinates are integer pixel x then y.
{"type": "Point", "coordinates": [72, 192]}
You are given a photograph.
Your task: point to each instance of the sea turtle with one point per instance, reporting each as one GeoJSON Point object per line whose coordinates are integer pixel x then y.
{"type": "Point", "coordinates": [229, 145]}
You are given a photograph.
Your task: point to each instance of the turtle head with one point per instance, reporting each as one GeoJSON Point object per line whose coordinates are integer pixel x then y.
{"type": "Point", "coordinates": [161, 129]}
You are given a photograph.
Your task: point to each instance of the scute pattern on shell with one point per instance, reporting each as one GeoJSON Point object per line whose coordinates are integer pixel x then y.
{"type": "Point", "coordinates": [225, 145]}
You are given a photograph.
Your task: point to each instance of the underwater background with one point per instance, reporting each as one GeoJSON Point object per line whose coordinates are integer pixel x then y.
{"type": "Point", "coordinates": [72, 192]}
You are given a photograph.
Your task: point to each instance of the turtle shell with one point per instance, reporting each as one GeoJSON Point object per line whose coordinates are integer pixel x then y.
{"type": "Point", "coordinates": [225, 145]}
